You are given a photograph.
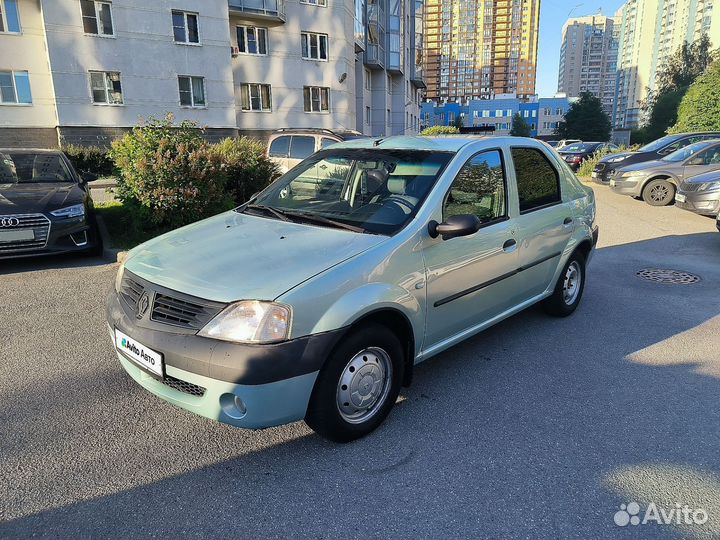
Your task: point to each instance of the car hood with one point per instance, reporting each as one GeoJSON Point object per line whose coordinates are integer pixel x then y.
{"type": "Point", "coordinates": [655, 164]}
{"type": "Point", "coordinates": [235, 256]}
{"type": "Point", "coordinates": [38, 198]}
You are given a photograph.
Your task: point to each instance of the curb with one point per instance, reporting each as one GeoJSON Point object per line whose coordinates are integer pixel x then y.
{"type": "Point", "coordinates": [111, 254]}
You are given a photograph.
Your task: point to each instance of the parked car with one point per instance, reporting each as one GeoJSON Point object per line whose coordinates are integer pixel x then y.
{"type": "Point", "coordinates": [717, 222]}
{"type": "Point", "coordinates": [574, 154]}
{"type": "Point", "coordinates": [553, 143]}
{"type": "Point", "coordinates": [565, 142]}
{"type": "Point", "coordinates": [288, 147]}
{"type": "Point", "coordinates": [318, 305]}
{"type": "Point", "coordinates": [657, 181]}
{"type": "Point", "coordinates": [45, 205]}
{"type": "Point", "coordinates": [606, 167]}
{"type": "Point", "coordinates": [700, 194]}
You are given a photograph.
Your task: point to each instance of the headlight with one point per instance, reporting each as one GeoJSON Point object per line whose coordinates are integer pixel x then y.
{"type": "Point", "coordinates": [630, 174]}
{"type": "Point", "coordinates": [76, 210]}
{"type": "Point", "coordinates": [250, 321]}
{"type": "Point", "coordinates": [709, 186]}
{"type": "Point", "coordinates": [119, 276]}
{"type": "Point", "coordinates": [617, 159]}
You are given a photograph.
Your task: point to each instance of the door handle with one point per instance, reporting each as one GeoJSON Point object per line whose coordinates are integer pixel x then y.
{"type": "Point", "coordinates": [567, 221]}
{"type": "Point", "coordinates": [509, 245]}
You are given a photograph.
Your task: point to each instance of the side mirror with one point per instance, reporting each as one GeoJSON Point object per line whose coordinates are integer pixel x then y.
{"type": "Point", "coordinates": [460, 225]}
{"type": "Point", "coordinates": [88, 177]}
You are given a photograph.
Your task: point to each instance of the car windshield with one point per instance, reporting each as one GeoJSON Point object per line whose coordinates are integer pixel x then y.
{"type": "Point", "coordinates": [657, 145]}
{"type": "Point", "coordinates": [33, 168]}
{"type": "Point", "coordinates": [685, 153]}
{"type": "Point", "coordinates": [579, 147]}
{"type": "Point", "coordinates": [366, 190]}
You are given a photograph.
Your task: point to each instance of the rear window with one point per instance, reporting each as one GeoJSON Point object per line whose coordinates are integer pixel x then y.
{"type": "Point", "coordinates": [280, 147]}
{"type": "Point", "coordinates": [302, 147]}
{"type": "Point", "coordinates": [538, 182]}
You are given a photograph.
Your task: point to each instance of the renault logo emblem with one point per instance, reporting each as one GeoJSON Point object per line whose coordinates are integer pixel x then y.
{"type": "Point", "coordinates": [142, 306]}
{"type": "Point", "coordinates": [7, 222]}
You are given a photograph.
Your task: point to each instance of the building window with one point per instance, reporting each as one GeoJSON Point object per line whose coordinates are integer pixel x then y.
{"type": "Point", "coordinates": [97, 17]}
{"type": "Point", "coordinates": [15, 88]}
{"type": "Point", "coordinates": [498, 113]}
{"type": "Point", "coordinates": [314, 46]}
{"type": "Point", "coordinates": [185, 27]}
{"type": "Point", "coordinates": [317, 98]}
{"type": "Point", "coordinates": [255, 97]}
{"type": "Point", "coordinates": [106, 87]}
{"type": "Point", "coordinates": [192, 91]}
{"type": "Point", "coordinates": [367, 115]}
{"type": "Point", "coordinates": [9, 18]}
{"type": "Point", "coordinates": [252, 40]}
{"type": "Point", "coordinates": [322, 3]}
{"type": "Point", "coordinates": [368, 79]}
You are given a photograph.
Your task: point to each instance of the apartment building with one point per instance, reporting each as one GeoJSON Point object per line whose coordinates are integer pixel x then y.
{"type": "Point", "coordinates": [650, 32]}
{"type": "Point", "coordinates": [480, 49]}
{"type": "Point", "coordinates": [85, 71]}
{"type": "Point", "coordinates": [588, 58]}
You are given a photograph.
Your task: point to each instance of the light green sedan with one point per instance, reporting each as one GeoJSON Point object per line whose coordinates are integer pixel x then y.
{"type": "Point", "coordinates": [316, 299]}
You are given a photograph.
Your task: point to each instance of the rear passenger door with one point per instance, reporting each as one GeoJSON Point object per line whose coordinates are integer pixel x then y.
{"type": "Point", "coordinates": [545, 224]}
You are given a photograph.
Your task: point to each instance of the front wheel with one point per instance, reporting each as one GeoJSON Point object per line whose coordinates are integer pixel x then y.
{"type": "Point", "coordinates": [658, 193]}
{"type": "Point", "coordinates": [358, 385]}
{"type": "Point", "coordinates": [568, 289]}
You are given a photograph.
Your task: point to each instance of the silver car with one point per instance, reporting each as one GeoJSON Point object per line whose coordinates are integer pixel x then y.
{"type": "Point", "coordinates": [700, 194]}
{"type": "Point", "coordinates": [316, 299]}
{"type": "Point", "coordinates": [657, 181]}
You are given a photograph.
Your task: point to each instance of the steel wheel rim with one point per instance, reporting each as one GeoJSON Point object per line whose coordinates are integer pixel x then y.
{"type": "Point", "coordinates": [659, 193]}
{"type": "Point", "coordinates": [364, 385]}
{"type": "Point", "coordinates": [571, 283]}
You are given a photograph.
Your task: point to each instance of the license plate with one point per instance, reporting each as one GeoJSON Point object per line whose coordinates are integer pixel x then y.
{"type": "Point", "coordinates": [594, 174]}
{"type": "Point", "coordinates": [17, 236]}
{"type": "Point", "coordinates": [680, 197]}
{"type": "Point", "coordinates": [612, 183]}
{"type": "Point", "coordinates": [140, 354]}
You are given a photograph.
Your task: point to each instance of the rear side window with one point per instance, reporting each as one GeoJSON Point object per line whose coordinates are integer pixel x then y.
{"type": "Point", "coordinates": [302, 147]}
{"type": "Point", "coordinates": [479, 189]}
{"type": "Point", "coordinates": [280, 147]}
{"type": "Point", "coordinates": [538, 182]}
{"type": "Point", "coordinates": [325, 142]}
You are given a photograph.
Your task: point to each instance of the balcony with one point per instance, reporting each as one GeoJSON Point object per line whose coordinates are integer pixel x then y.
{"type": "Point", "coordinates": [268, 11]}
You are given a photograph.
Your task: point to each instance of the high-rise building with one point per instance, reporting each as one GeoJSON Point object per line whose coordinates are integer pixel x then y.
{"type": "Point", "coordinates": [479, 49]}
{"type": "Point", "coordinates": [651, 31]}
{"type": "Point", "coordinates": [588, 58]}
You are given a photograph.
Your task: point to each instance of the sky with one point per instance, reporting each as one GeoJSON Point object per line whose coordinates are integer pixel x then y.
{"type": "Point", "coordinates": [553, 14]}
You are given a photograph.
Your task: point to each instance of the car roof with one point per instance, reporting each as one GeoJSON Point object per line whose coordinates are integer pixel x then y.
{"type": "Point", "coordinates": [29, 151]}
{"type": "Point", "coordinates": [442, 143]}
{"type": "Point", "coordinates": [318, 131]}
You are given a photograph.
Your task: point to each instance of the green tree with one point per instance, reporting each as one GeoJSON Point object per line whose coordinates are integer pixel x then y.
{"type": "Point", "coordinates": [700, 108]}
{"type": "Point", "coordinates": [520, 128]}
{"type": "Point", "coordinates": [586, 120]}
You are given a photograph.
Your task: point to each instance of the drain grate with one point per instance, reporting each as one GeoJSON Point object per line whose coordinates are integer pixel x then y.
{"type": "Point", "coordinates": [672, 277]}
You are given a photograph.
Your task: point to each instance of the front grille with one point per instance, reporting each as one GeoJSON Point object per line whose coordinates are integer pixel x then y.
{"type": "Point", "coordinates": [689, 186]}
{"type": "Point", "coordinates": [131, 291]}
{"type": "Point", "coordinates": [39, 224]}
{"type": "Point", "coordinates": [183, 312]}
{"type": "Point", "coordinates": [600, 167]}
{"type": "Point", "coordinates": [184, 386]}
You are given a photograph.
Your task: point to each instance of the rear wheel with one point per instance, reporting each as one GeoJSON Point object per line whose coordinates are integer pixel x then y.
{"type": "Point", "coordinates": [568, 289]}
{"type": "Point", "coordinates": [358, 385]}
{"type": "Point", "coordinates": [658, 193]}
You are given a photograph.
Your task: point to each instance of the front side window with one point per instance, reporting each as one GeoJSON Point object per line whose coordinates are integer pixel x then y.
{"type": "Point", "coordinates": [9, 18]}
{"type": "Point", "coordinates": [538, 182]}
{"type": "Point", "coordinates": [314, 46]}
{"type": "Point", "coordinates": [15, 88]}
{"type": "Point", "coordinates": [316, 99]}
{"type": "Point", "coordinates": [30, 168]}
{"type": "Point", "coordinates": [479, 189]}
{"type": "Point", "coordinates": [255, 97]}
{"type": "Point", "coordinates": [97, 17]}
{"type": "Point", "coordinates": [185, 27]}
{"type": "Point", "coordinates": [252, 40]}
{"type": "Point", "coordinates": [366, 190]}
{"type": "Point", "coordinates": [106, 87]}
{"type": "Point", "coordinates": [192, 91]}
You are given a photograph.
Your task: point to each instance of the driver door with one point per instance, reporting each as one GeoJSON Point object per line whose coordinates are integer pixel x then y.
{"type": "Point", "coordinates": [469, 278]}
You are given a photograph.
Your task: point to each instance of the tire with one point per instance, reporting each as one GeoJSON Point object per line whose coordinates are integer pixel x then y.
{"type": "Point", "coordinates": [658, 192]}
{"type": "Point", "coordinates": [371, 360]}
{"type": "Point", "coordinates": [563, 301]}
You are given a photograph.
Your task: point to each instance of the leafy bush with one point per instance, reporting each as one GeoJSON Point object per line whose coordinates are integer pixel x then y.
{"type": "Point", "coordinates": [90, 159]}
{"type": "Point", "coordinates": [247, 168]}
{"type": "Point", "coordinates": [589, 164]}
{"type": "Point", "coordinates": [439, 130]}
{"type": "Point", "coordinates": [700, 108]}
{"type": "Point", "coordinates": [169, 175]}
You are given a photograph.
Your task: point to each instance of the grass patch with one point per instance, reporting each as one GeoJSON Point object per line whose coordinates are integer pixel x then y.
{"type": "Point", "coordinates": [124, 232]}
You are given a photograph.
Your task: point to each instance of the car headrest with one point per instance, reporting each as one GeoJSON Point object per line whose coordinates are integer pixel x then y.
{"type": "Point", "coordinates": [397, 185]}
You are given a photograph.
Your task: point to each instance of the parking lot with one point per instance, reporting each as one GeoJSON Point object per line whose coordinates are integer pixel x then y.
{"type": "Point", "coordinates": [538, 427]}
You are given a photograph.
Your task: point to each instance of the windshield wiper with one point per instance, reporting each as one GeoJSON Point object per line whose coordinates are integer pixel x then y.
{"type": "Point", "coordinates": [326, 221]}
{"type": "Point", "coordinates": [268, 209]}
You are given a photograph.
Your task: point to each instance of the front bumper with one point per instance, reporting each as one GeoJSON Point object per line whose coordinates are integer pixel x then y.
{"type": "Point", "coordinates": [63, 236]}
{"type": "Point", "coordinates": [273, 382]}
{"type": "Point", "coordinates": [602, 176]}
{"type": "Point", "coordinates": [627, 186]}
{"type": "Point", "coordinates": [706, 204]}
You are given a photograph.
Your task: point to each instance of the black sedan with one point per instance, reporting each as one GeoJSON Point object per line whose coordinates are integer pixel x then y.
{"type": "Point", "coordinates": [575, 154]}
{"type": "Point", "coordinates": [45, 206]}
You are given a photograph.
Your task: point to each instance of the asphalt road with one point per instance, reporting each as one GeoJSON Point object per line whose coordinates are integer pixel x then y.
{"type": "Point", "coordinates": [539, 427]}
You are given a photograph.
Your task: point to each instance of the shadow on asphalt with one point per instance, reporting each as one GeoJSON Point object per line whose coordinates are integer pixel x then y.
{"type": "Point", "coordinates": [521, 431]}
{"type": "Point", "coordinates": [50, 262]}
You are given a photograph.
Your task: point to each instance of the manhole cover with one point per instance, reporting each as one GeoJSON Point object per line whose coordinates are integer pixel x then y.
{"type": "Point", "coordinates": [674, 277]}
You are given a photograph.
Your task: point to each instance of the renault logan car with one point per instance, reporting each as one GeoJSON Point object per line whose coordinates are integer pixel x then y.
{"type": "Point", "coordinates": [45, 205]}
{"type": "Point", "coordinates": [316, 298]}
